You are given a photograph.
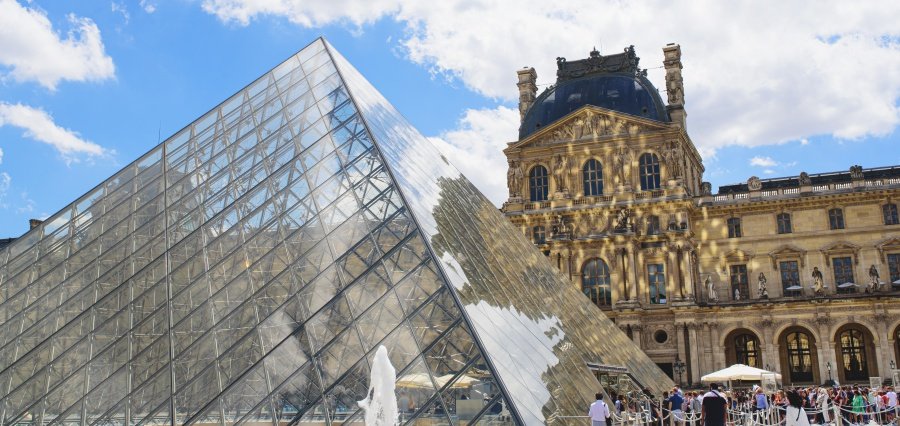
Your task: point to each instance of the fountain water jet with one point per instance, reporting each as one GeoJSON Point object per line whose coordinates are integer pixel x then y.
{"type": "Point", "coordinates": [380, 404]}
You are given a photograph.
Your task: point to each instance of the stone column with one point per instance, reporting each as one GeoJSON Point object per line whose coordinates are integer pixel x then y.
{"type": "Point", "coordinates": [825, 349]}
{"type": "Point", "coordinates": [634, 284]}
{"type": "Point", "coordinates": [682, 353]}
{"type": "Point", "coordinates": [671, 275]}
{"type": "Point", "coordinates": [686, 275]}
{"type": "Point", "coordinates": [883, 349]}
{"type": "Point", "coordinates": [695, 363]}
{"type": "Point", "coordinates": [636, 334]}
{"type": "Point", "coordinates": [718, 351]}
{"type": "Point", "coordinates": [674, 84]}
{"type": "Point", "coordinates": [706, 345]}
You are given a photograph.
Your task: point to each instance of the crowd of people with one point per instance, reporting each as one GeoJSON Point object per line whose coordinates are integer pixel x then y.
{"type": "Point", "coordinates": [803, 406]}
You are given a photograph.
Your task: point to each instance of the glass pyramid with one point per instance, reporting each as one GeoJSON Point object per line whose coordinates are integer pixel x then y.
{"type": "Point", "coordinates": [245, 271]}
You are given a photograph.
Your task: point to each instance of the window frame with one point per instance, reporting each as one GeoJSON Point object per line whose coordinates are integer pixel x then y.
{"type": "Point", "coordinates": [601, 285]}
{"type": "Point", "coordinates": [782, 271]}
{"type": "Point", "coordinates": [836, 219]}
{"type": "Point", "coordinates": [653, 226]}
{"type": "Point", "coordinates": [848, 349]}
{"type": "Point", "coordinates": [656, 283]}
{"type": "Point", "coordinates": [734, 225]}
{"type": "Point", "coordinates": [803, 354]}
{"type": "Point", "coordinates": [743, 286]}
{"type": "Point", "coordinates": [538, 184]}
{"type": "Point", "coordinates": [543, 234]}
{"type": "Point", "coordinates": [893, 263]}
{"type": "Point", "coordinates": [784, 223]}
{"type": "Point", "coordinates": [889, 214]}
{"type": "Point", "coordinates": [649, 171]}
{"type": "Point", "coordinates": [743, 354]}
{"type": "Point", "coordinates": [592, 178]}
{"type": "Point", "coordinates": [842, 272]}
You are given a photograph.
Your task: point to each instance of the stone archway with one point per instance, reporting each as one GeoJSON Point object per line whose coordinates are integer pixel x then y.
{"type": "Point", "coordinates": [854, 352]}
{"type": "Point", "coordinates": [798, 356]}
{"type": "Point", "coordinates": [742, 346]}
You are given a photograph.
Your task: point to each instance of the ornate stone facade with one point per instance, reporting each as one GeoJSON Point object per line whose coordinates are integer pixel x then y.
{"type": "Point", "coordinates": [713, 279]}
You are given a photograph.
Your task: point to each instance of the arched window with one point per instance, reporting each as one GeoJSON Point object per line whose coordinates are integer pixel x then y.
{"type": "Point", "coordinates": [593, 178]}
{"type": "Point", "coordinates": [539, 236]}
{"type": "Point", "coordinates": [649, 170]}
{"type": "Point", "coordinates": [746, 350]}
{"type": "Point", "coordinates": [538, 183]}
{"type": "Point", "coordinates": [595, 282]}
{"type": "Point", "coordinates": [799, 357]}
{"type": "Point", "coordinates": [853, 355]}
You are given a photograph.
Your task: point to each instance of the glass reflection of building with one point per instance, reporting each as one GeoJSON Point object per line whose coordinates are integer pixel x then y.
{"type": "Point", "coordinates": [246, 269]}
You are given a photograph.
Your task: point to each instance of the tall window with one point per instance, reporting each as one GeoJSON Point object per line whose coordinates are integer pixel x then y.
{"type": "Point", "coordinates": [593, 178]}
{"type": "Point", "coordinates": [784, 223]}
{"type": "Point", "coordinates": [843, 274]}
{"type": "Point", "coordinates": [890, 214]}
{"type": "Point", "coordinates": [836, 219]}
{"type": "Point", "coordinates": [799, 357]}
{"type": "Point", "coordinates": [746, 350]}
{"type": "Point", "coordinates": [657, 278]}
{"type": "Point", "coordinates": [740, 281]}
{"type": "Point", "coordinates": [652, 225]}
{"type": "Point", "coordinates": [790, 277]}
{"type": "Point", "coordinates": [853, 355]}
{"type": "Point", "coordinates": [538, 183]}
{"type": "Point", "coordinates": [893, 261]}
{"type": "Point", "coordinates": [539, 235]}
{"type": "Point", "coordinates": [595, 282]}
{"type": "Point", "coordinates": [734, 227]}
{"type": "Point", "coordinates": [649, 171]}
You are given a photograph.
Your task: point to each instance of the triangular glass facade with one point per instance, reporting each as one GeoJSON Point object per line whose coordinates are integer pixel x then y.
{"type": "Point", "coordinates": [246, 269]}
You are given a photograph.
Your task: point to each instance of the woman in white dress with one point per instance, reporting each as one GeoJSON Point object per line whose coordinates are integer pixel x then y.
{"type": "Point", "coordinates": [795, 414]}
{"type": "Point", "coordinates": [822, 404]}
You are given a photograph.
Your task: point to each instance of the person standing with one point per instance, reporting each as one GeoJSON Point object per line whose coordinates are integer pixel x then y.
{"type": "Point", "coordinates": [795, 414]}
{"type": "Point", "coordinates": [676, 401]}
{"type": "Point", "coordinates": [599, 411]}
{"type": "Point", "coordinates": [713, 411]}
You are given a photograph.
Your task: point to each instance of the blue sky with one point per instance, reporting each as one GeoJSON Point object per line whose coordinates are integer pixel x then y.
{"type": "Point", "coordinates": [87, 87]}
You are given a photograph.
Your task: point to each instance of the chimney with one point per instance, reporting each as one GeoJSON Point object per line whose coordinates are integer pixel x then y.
{"type": "Point", "coordinates": [34, 223]}
{"type": "Point", "coordinates": [674, 83]}
{"type": "Point", "coordinates": [527, 90]}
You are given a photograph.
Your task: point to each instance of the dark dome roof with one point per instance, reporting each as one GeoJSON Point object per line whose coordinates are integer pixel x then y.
{"type": "Point", "coordinates": [623, 92]}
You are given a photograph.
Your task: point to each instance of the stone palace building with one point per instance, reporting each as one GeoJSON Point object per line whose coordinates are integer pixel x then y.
{"type": "Point", "coordinates": [799, 274]}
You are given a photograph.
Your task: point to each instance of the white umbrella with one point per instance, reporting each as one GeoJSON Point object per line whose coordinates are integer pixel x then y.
{"type": "Point", "coordinates": [736, 372]}
{"type": "Point", "coordinates": [896, 282]}
{"type": "Point", "coordinates": [847, 285]}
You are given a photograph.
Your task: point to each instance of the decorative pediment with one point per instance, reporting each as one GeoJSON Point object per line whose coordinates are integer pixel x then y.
{"type": "Point", "coordinates": [590, 123]}
{"type": "Point", "coordinates": [886, 245]}
{"type": "Point", "coordinates": [787, 251]}
{"type": "Point", "coordinates": [842, 247]}
{"type": "Point", "coordinates": [737, 255]}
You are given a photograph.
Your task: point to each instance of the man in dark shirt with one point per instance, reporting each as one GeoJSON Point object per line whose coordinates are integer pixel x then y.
{"type": "Point", "coordinates": [713, 412]}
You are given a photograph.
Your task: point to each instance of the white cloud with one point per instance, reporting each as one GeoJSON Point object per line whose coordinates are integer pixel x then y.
{"type": "Point", "coordinates": [26, 204]}
{"type": "Point", "coordinates": [1, 156]}
{"type": "Point", "coordinates": [755, 74]}
{"type": "Point", "coordinates": [39, 125]}
{"type": "Point", "coordinates": [32, 50]}
{"type": "Point", "coordinates": [476, 147]}
{"type": "Point", "coordinates": [148, 6]}
{"type": "Point", "coordinates": [5, 184]}
{"type": "Point", "coordinates": [308, 13]}
{"type": "Point", "coordinates": [763, 162]}
{"type": "Point", "coordinates": [122, 10]}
